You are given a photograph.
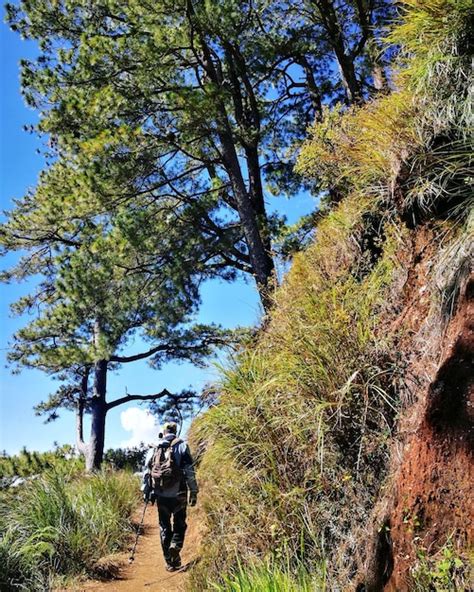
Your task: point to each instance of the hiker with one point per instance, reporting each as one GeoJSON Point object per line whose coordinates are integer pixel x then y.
{"type": "Point", "coordinates": [168, 477]}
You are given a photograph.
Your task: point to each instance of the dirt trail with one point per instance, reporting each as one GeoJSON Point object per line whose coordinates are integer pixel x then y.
{"type": "Point", "coordinates": [148, 571]}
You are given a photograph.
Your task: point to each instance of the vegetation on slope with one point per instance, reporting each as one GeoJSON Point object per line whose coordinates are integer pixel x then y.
{"type": "Point", "coordinates": [60, 525]}
{"type": "Point", "coordinates": [298, 446]}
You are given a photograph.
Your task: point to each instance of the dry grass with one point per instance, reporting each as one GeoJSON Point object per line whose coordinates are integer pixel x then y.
{"type": "Point", "coordinates": [418, 138]}
{"type": "Point", "coordinates": [297, 446]}
{"type": "Point", "coordinates": [362, 147]}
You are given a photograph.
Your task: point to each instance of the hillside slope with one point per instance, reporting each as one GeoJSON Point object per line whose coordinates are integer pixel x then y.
{"type": "Point", "coordinates": [341, 443]}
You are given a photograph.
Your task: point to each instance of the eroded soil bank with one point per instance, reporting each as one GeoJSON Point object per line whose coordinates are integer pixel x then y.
{"type": "Point", "coordinates": [427, 502]}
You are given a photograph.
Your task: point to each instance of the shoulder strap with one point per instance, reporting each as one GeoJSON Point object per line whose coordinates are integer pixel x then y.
{"type": "Point", "coordinates": [170, 449]}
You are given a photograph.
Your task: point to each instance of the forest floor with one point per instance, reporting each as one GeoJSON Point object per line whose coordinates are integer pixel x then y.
{"type": "Point", "coordinates": [147, 572]}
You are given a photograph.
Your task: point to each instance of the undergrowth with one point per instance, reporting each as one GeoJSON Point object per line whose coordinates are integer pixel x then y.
{"type": "Point", "coordinates": [59, 526]}
{"type": "Point", "coordinates": [446, 571]}
{"type": "Point", "coordinates": [270, 577]}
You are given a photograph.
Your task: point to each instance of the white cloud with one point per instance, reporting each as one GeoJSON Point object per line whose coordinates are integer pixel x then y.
{"type": "Point", "coordinates": [142, 424]}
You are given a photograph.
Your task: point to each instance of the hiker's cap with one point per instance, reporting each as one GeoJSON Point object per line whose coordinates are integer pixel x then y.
{"type": "Point", "coordinates": [170, 427]}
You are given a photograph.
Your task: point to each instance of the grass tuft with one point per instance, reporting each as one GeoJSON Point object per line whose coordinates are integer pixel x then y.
{"type": "Point", "coordinates": [271, 577]}
{"type": "Point", "coordinates": [61, 526]}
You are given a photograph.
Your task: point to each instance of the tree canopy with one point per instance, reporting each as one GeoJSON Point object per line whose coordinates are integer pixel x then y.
{"type": "Point", "coordinates": [199, 101]}
{"type": "Point", "coordinates": [169, 125]}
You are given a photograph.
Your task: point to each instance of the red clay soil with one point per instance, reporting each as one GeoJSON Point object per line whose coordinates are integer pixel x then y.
{"type": "Point", "coordinates": [433, 490]}
{"type": "Point", "coordinates": [147, 573]}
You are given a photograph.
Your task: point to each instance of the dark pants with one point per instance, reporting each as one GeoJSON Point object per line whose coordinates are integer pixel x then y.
{"type": "Point", "coordinates": [172, 509]}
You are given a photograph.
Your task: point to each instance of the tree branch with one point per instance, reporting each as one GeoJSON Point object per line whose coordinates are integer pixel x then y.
{"type": "Point", "coordinates": [142, 356]}
{"type": "Point", "coordinates": [128, 398]}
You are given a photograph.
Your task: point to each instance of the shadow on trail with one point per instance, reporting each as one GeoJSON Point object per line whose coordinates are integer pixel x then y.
{"type": "Point", "coordinates": [182, 569]}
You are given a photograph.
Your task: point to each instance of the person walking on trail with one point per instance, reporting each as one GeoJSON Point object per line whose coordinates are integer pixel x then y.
{"type": "Point", "coordinates": [168, 479]}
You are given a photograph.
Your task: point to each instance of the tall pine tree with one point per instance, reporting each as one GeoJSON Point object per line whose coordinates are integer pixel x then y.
{"type": "Point", "coordinates": [202, 100]}
{"type": "Point", "coordinates": [103, 281]}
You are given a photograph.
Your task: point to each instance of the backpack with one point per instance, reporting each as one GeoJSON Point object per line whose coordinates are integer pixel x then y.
{"type": "Point", "coordinates": [165, 473]}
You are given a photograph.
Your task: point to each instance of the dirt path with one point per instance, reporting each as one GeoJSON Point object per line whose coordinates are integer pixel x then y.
{"type": "Point", "coordinates": [148, 571]}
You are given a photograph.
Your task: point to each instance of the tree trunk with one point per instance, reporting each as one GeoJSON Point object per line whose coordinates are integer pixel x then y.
{"type": "Point", "coordinates": [370, 43]}
{"type": "Point", "coordinates": [348, 76]}
{"type": "Point", "coordinates": [256, 195]}
{"type": "Point", "coordinates": [81, 446]}
{"type": "Point", "coordinates": [330, 22]}
{"type": "Point", "coordinates": [260, 258]}
{"type": "Point", "coordinates": [95, 447]}
{"type": "Point", "coordinates": [378, 73]}
{"type": "Point", "coordinates": [313, 90]}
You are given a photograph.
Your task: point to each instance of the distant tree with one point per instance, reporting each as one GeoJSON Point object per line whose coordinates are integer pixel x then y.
{"type": "Point", "coordinates": [28, 463]}
{"type": "Point", "coordinates": [103, 281]}
{"type": "Point", "coordinates": [126, 458]}
{"type": "Point", "coordinates": [201, 101]}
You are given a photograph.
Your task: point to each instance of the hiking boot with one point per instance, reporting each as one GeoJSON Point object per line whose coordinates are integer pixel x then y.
{"type": "Point", "coordinates": [175, 559]}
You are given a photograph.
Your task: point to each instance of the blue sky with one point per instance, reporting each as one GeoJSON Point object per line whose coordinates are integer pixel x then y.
{"type": "Point", "coordinates": [228, 304]}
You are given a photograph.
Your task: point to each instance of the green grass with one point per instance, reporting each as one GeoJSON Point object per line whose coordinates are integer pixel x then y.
{"type": "Point", "coordinates": [268, 577]}
{"type": "Point", "coordinates": [60, 526]}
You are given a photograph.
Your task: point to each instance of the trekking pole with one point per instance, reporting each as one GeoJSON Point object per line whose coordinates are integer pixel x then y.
{"type": "Point", "coordinates": [132, 556]}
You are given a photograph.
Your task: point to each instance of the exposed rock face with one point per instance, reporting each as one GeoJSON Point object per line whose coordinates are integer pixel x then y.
{"type": "Point", "coordinates": [428, 498]}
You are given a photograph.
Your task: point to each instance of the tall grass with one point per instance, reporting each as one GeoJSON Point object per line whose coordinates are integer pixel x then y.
{"type": "Point", "coordinates": [418, 140]}
{"type": "Point", "coordinates": [271, 577]}
{"type": "Point", "coordinates": [60, 526]}
{"type": "Point", "coordinates": [297, 447]}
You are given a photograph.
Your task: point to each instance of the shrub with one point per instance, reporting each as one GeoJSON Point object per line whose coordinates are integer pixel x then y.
{"type": "Point", "coordinates": [446, 571]}
{"type": "Point", "coordinates": [362, 147]}
{"type": "Point", "coordinates": [130, 459]}
{"type": "Point", "coordinates": [28, 463]}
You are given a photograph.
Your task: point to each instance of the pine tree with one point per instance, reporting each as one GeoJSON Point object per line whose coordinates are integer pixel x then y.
{"type": "Point", "coordinates": [104, 279]}
{"type": "Point", "coordinates": [168, 125]}
{"type": "Point", "coordinates": [201, 100]}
